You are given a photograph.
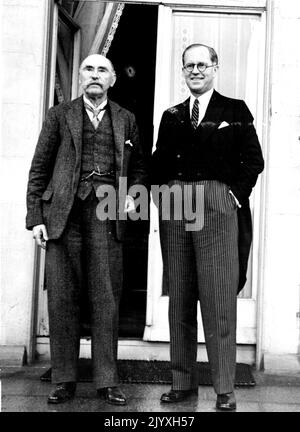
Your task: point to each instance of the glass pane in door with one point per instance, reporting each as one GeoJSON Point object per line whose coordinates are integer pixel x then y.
{"type": "Point", "coordinates": [236, 39]}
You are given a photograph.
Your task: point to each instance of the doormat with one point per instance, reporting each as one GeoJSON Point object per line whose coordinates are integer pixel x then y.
{"type": "Point", "coordinates": [157, 372]}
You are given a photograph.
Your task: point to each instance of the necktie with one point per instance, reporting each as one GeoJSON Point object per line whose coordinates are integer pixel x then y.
{"type": "Point", "coordinates": [195, 114]}
{"type": "Point", "coordinates": [95, 111]}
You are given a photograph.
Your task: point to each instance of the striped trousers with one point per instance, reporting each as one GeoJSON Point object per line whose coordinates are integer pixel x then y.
{"type": "Point", "coordinates": [202, 265]}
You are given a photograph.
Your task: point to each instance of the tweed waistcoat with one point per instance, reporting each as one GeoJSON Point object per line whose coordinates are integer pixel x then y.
{"type": "Point", "coordinates": [97, 154]}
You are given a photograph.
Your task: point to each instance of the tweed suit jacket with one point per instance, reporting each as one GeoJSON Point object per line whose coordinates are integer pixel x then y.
{"type": "Point", "coordinates": [230, 154]}
{"type": "Point", "coordinates": [55, 170]}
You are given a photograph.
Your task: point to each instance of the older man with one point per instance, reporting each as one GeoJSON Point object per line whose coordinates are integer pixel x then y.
{"type": "Point", "coordinates": [88, 142]}
{"type": "Point", "coordinates": [207, 142]}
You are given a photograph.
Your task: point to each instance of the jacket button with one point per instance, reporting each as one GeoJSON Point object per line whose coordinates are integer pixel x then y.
{"type": "Point", "coordinates": [178, 156]}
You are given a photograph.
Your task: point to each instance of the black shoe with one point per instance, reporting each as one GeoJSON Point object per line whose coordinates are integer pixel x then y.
{"type": "Point", "coordinates": [62, 393]}
{"type": "Point", "coordinates": [112, 395]}
{"type": "Point", "coordinates": [226, 402]}
{"type": "Point", "coordinates": [178, 395]}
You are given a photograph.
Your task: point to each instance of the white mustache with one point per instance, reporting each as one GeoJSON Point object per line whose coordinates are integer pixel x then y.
{"type": "Point", "coordinates": [94, 83]}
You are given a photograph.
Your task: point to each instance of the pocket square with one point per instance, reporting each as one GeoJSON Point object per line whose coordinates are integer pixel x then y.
{"type": "Point", "coordinates": [128, 142]}
{"type": "Point", "coordinates": [223, 124]}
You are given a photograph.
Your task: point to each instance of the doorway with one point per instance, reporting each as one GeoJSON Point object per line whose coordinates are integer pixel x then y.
{"type": "Point", "coordinates": [145, 51]}
{"type": "Point", "coordinates": [133, 53]}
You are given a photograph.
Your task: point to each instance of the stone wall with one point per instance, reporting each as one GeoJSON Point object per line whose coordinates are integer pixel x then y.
{"type": "Point", "coordinates": [23, 54]}
{"type": "Point", "coordinates": [281, 304]}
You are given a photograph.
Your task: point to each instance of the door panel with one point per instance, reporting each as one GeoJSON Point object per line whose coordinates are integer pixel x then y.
{"type": "Point", "coordinates": [238, 38]}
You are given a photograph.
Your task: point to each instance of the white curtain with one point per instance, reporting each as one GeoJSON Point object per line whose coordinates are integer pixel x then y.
{"type": "Point", "coordinates": [98, 22]}
{"type": "Point", "coordinates": [235, 37]}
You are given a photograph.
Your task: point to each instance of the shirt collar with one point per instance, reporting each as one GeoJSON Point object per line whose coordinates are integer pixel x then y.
{"type": "Point", "coordinates": [88, 102]}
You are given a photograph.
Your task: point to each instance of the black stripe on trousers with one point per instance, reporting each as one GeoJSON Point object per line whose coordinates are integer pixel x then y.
{"type": "Point", "coordinates": [203, 265]}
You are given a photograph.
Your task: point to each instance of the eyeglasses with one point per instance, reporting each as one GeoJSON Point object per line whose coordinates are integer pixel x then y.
{"type": "Point", "coordinates": [189, 67]}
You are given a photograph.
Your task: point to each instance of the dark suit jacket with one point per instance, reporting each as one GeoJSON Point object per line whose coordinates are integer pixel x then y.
{"type": "Point", "coordinates": [231, 154]}
{"type": "Point", "coordinates": [55, 169]}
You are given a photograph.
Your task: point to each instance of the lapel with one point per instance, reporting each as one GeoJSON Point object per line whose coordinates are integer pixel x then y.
{"type": "Point", "coordinates": [211, 120]}
{"type": "Point", "coordinates": [118, 125]}
{"type": "Point", "coordinates": [182, 111]}
{"type": "Point", "coordinates": [74, 117]}
{"type": "Point", "coordinates": [213, 116]}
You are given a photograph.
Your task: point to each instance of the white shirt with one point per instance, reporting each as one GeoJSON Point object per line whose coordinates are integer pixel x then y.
{"type": "Point", "coordinates": [89, 113]}
{"type": "Point", "coordinates": [203, 104]}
